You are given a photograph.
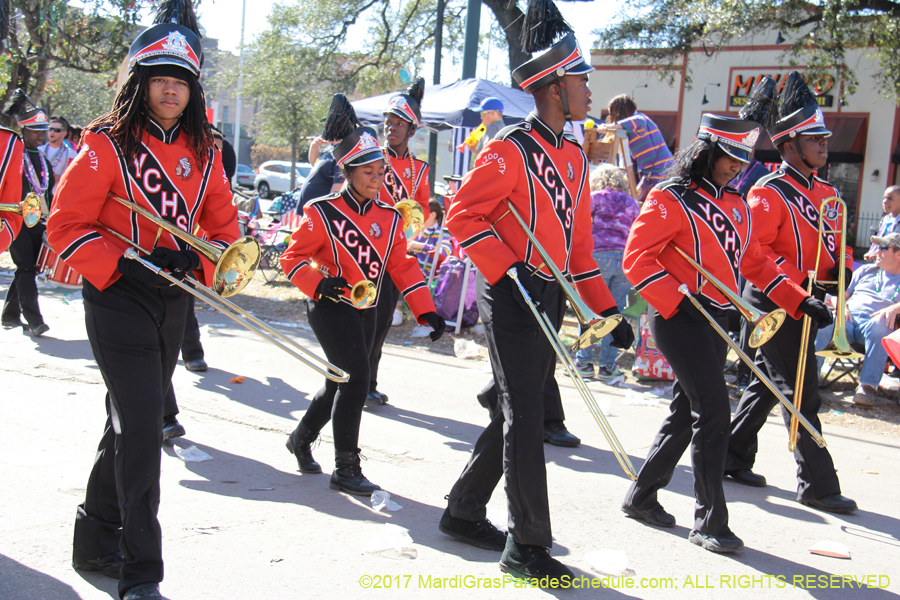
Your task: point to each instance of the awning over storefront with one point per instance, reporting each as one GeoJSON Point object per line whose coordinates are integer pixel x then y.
{"type": "Point", "coordinates": [847, 143]}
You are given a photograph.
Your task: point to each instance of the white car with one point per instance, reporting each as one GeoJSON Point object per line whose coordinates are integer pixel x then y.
{"type": "Point", "coordinates": [274, 177]}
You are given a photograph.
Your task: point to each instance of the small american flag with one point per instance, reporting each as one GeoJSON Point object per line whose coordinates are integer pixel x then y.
{"type": "Point", "coordinates": [290, 219]}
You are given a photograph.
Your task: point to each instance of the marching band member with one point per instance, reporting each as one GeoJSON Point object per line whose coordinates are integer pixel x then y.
{"type": "Point", "coordinates": [37, 179]}
{"type": "Point", "coordinates": [154, 148]}
{"type": "Point", "coordinates": [405, 177]}
{"type": "Point", "coordinates": [544, 174]}
{"type": "Point", "coordinates": [785, 206]}
{"type": "Point", "coordinates": [343, 239]}
{"type": "Point", "coordinates": [698, 213]}
{"type": "Point", "coordinates": [11, 165]}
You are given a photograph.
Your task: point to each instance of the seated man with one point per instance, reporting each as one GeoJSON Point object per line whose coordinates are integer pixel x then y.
{"type": "Point", "coordinates": [872, 308]}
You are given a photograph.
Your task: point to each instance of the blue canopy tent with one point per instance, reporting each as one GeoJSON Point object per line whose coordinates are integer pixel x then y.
{"type": "Point", "coordinates": [454, 106]}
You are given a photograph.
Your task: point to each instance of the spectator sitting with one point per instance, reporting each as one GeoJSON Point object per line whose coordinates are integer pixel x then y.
{"type": "Point", "coordinates": [651, 155]}
{"type": "Point", "coordinates": [871, 311]}
{"type": "Point", "coordinates": [889, 222]}
{"type": "Point", "coordinates": [612, 213]}
{"type": "Point", "coordinates": [422, 247]}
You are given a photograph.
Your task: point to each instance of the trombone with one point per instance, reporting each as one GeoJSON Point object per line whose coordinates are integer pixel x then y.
{"type": "Point", "coordinates": [230, 262]}
{"type": "Point", "coordinates": [29, 208]}
{"type": "Point", "coordinates": [413, 217]}
{"type": "Point", "coordinates": [594, 326]}
{"type": "Point", "coordinates": [839, 346]}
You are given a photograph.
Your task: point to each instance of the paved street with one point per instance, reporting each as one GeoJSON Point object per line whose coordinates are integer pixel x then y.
{"type": "Point", "coordinates": [247, 525]}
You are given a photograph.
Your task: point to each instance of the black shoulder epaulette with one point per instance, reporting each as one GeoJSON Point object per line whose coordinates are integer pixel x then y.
{"type": "Point", "coordinates": [333, 196]}
{"type": "Point", "coordinates": [664, 185]}
{"type": "Point", "coordinates": [765, 179]}
{"type": "Point", "coordinates": [510, 129]}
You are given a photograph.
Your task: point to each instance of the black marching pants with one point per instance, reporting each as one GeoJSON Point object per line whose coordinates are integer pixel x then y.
{"type": "Point", "coordinates": [345, 334]}
{"type": "Point", "coordinates": [384, 313]}
{"type": "Point", "coordinates": [22, 295]}
{"type": "Point", "coordinates": [699, 416]}
{"type": "Point", "coordinates": [777, 359]}
{"type": "Point", "coordinates": [513, 443]}
{"type": "Point", "coordinates": [135, 333]}
{"type": "Point", "coordinates": [191, 348]}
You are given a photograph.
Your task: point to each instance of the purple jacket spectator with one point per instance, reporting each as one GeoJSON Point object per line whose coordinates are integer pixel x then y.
{"type": "Point", "coordinates": [612, 213]}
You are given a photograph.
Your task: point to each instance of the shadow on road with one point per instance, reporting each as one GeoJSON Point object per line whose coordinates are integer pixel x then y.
{"type": "Point", "coordinates": [18, 582]}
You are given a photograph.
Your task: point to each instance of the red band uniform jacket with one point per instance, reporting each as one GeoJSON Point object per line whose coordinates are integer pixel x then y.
{"type": "Point", "coordinates": [344, 238]}
{"type": "Point", "coordinates": [11, 148]}
{"type": "Point", "coordinates": [785, 207]}
{"type": "Point", "coordinates": [163, 177]}
{"type": "Point", "coordinates": [545, 177]}
{"type": "Point", "coordinates": [712, 225]}
{"type": "Point", "coordinates": [405, 177]}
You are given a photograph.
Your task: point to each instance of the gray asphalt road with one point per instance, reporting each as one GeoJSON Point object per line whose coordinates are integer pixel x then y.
{"type": "Point", "coordinates": [247, 525]}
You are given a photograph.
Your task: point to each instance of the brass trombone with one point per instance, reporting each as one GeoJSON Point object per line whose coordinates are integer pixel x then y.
{"type": "Point", "coordinates": [839, 346]}
{"type": "Point", "coordinates": [593, 325]}
{"type": "Point", "coordinates": [764, 324]}
{"type": "Point", "coordinates": [235, 265]}
{"type": "Point", "coordinates": [413, 217]}
{"type": "Point", "coordinates": [231, 262]}
{"type": "Point", "coordinates": [362, 293]}
{"type": "Point", "coordinates": [29, 208]}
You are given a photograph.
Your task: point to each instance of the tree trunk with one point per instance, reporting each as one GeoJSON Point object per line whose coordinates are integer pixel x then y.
{"type": "Point", "coordinates": [510, 18]}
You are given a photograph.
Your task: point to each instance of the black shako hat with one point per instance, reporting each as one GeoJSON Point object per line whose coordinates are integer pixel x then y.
{"type": "Point", "coordinates": [408, 105]}
{"type": "Point", "coordinates": [174, 39]}
{"type": "Point", "coordinates": [736, 137]}
{"type": "Point", "coordinates": [542, 25]}
{"type": "Point", "coordinates": [358, 145]}
{"type": "Point", "coordinates": [28, 114]}
{"type": "Point", "coordinates": [799, 111]}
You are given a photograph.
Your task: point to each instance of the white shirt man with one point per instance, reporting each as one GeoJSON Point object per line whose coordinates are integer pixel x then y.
{"type": "Point", "coordinates": [58, 151]}
{"type": "Point", "coordinates": [890, 222]}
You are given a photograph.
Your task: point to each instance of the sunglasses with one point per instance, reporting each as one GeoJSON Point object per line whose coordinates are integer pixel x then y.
{"type": "Point", "coordinates": [55, 130]}
{"type": "Point", "coordinates": [886, 248]}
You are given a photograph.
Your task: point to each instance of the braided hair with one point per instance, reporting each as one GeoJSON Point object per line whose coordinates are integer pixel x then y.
{"type": "Point", "coordinates": [129, 116]}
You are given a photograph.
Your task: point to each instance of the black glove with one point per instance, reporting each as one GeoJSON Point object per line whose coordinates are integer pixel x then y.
{"type": "Point", "coordinates": [525, 279]}
{"type": "Point", "coordinates": [817, 311]}
{"type": "Point", "coordinates": [330, 287]}
{"type": "Point", "coordinates": [179, 262]}
{"type": "Point", "coordinates": [623, 334]}
{"type": "Point", "coordinates": [833, 275]}
{"type": "Point", "coordinates": [135, 270]}
{"type": "Point", "coordinates": [437, 323]}
{"type": "Point", "coordinates": [688, 308]}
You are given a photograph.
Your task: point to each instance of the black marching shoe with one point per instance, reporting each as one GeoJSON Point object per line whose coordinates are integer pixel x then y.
{"type": "Point", "coordinates": [14, 324]}
{"type": "Point", "coordinates": [656, 516]}
{"type": "Point", "coordinates": [376, 398]}
{"type": "Point", "coordinates": [834, 503]}
{"type": "Point", "coordinates": [299, 444]}
{"type": "Point", "coordinates": [746, 477]}
{"type": "Point", "coordinates": [39, 330]}
{"type": "Point", "coordinates": [198, 365]}
{"type": "Point", "coordinates": [534, 562]}
{"type": "Point", "coordinates": [555, 433]}
{"type": "Point", "coordinates": [172, 428]}
{"type": "Point", "coordinates": [481, 534]}
{"type": "Point", "coordinates": [716, 543]}
{"type": "Point", "coordinates": [348, 477]}
{"type": "Point", "coordinates": [110, 565]}
{"type": "Point", "coordinates": [144, 590]}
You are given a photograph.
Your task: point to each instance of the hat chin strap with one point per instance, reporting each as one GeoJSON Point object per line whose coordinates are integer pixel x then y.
{"type": "Point", "coordinates": [560, 73]}
{"type": "Point", "coordinates": [799, 150]}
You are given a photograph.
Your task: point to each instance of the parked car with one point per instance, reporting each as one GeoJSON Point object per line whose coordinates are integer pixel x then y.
{"type": "Point", "coordinates": [245, 176]}
{"type": "Point", "coordinates": [274, 177]}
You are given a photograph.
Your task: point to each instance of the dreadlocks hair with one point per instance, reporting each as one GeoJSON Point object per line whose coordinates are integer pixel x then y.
{"type": "Point", "coordinates": [129, 117]}
{"type": "Point", "coordinates": [341, 120]}
{"type": "Point", "coordinates": [543, 24]}
{"type": "Point", "coordinates": [620, 107]}
{"type": "Point", "coordinates": [795, 95]}
{"type": "Point", "coordinates": [762, 106]}
{"type": "Point", "coordinates": [695, 161]}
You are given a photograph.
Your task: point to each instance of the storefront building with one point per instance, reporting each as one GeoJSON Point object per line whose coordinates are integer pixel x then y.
{"type": "Point", "coordinates": [863, 150]}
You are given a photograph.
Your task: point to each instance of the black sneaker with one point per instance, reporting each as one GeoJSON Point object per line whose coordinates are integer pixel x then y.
{"type": "Point", "coordinates": [110, 565]}
{"type": "Point", "coordinates": [534, 562]}
{"type": "Point", "coordinates": [481, 534]}
{"type": "Point", "coordinates": [172, 428]}
{"type": "Point", "coordinates": [716, 543]}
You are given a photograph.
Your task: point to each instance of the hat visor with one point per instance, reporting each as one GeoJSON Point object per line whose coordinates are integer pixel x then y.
{"type": "Point", "coordinates": [738, 153]}
{"type": "Point", "coordinates": [884, 241]}
{"type": "Point", "coordinates": [366, 158]}
{"type": "Point", "coordinates": [819, 130]}
{"type": "Point", "coordinates": [400, 114]}
{"type": "Point", "coordinates": [37, 127]}
{"type": "Point", "coordinates": [579, 68]}
{"type": "Point", "coordinates": [169, 60]}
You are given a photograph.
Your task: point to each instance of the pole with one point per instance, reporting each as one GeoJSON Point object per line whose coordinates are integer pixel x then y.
{"type": "Point", "coordinates": [473, 25]}
{"type": "Point", "coordinates": [240, 83]}
{"type": "Point", "coordinates": [438, 50]}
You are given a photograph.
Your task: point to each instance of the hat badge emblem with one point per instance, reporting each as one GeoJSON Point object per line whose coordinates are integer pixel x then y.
{"type": "Point", "coordinates": [750, 138]}
{"type": "Point", "coordinates": [820, 118]}
{"type": "Point", "coordinates": [366, 141]}
{"type": "Point", "coordinates": [176, 42]}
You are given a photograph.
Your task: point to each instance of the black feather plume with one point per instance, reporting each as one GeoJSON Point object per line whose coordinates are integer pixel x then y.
{"type": "Point", "coordinates": [762, 106]}
{"type": "Point", "coordinates": [795, 95]}
{"type": "Point", "coordinates": [542, 26]}
{"type": "Point", "coordinates": [416, 90]}
{"type": "Point", "coordinates": [179, 12]}
{"type": "Point", "coordinates": [19, 103]}
{"type": "Point", "coordinates": [341, 120]}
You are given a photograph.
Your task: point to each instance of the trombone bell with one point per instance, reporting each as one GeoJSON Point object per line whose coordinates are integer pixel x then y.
{"type": "Point", "coordinates": [413, 217]}
{"type": "Point", "coordinates": [594, 331]}
{"type": "Point", "coordinates": [29, 208]}
{"type": "Point", "coordinates": [765, 327]}
{"type": "Point", "coordinates": [236, 266]}
{"type": "Point", "coordinates": [363, 294]}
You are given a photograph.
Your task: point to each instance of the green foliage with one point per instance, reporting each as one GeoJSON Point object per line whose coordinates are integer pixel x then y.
{"type": "Point", "coordinates": [820, 33]}
{"type": "Point", "coordinates": [78, 96]}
